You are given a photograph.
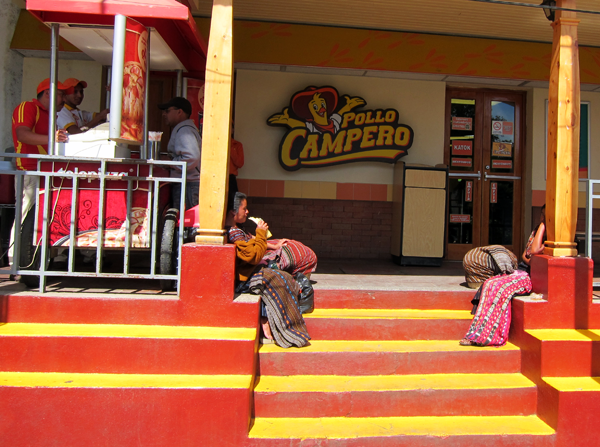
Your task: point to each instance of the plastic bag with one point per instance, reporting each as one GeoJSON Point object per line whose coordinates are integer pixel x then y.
{"type": "Point", "coordinates": [306, 299]}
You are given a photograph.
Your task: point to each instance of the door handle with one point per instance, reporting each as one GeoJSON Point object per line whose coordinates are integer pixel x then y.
{"type": "Point", "coordinates": [499, 177]}
{"type": "Point", "coordinates": [456, 174]}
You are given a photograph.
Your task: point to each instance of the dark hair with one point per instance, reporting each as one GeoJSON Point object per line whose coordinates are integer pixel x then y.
{"type": "Point", "coordinates": [234, 202]}
{"type": "Point", "coordinates": [40, 94]}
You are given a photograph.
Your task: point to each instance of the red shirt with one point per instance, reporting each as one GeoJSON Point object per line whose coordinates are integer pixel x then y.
{"type": "Point", "coordinates": [31, 114]}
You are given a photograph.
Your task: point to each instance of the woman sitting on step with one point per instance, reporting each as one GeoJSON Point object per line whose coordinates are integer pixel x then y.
{"type": "Point", "coordinates": [491, 323]}
{"type": "Point", "coordinates": [289, 255]}
{"type": "Point", "coordinates": [281, 318]}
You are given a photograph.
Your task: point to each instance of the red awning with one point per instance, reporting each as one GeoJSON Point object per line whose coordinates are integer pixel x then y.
{"type": "Point", "coordinates": [171, 19]}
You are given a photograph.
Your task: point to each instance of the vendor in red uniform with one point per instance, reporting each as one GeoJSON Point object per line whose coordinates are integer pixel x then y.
{"type": "Point", "coordinates": [30, 134]}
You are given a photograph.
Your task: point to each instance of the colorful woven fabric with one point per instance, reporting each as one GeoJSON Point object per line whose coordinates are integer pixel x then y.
{"type": "Point", "coordinates": [294, 257]}
{"type": "Point", "coordinates": [278, 291]}
{"type": "Point", "coordinates": [482, 263]}
{"type": "Point", "coordinates": [491, 323]}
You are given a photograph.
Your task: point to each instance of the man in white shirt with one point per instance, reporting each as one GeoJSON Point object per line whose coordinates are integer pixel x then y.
{"type": "Point", "coordinates": [70, 117]}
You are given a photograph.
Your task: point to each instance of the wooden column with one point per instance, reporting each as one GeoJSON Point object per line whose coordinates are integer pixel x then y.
{"type": "Point", "coordinates": [218, 93]}
{"type": "Point", "coordinates": [563, 136]}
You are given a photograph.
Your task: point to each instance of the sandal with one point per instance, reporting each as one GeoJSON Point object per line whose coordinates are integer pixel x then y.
{"type": "Point", "coordinates": [466, 342]}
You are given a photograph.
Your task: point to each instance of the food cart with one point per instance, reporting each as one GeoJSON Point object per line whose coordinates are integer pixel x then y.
{"type": "Point", "coordinates": [92, 194]}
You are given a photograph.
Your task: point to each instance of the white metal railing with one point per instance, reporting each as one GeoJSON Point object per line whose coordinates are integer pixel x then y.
{"type": "Point", "coordinates": [142, 181]}
{"type": "Point", "coordinates": [589, 216]}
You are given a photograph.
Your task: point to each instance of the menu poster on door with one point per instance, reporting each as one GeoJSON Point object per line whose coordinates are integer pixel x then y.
{"type": "Point", "coordinates": [461, 162]}
{"type": "Point", "coordinates": [502, 164]}
{"type": "Point", "coordinates": [502, 128]}
{"type": "Point", "coordinates": [469, 191]}
{"type": "Point", "coordinates": [460, 123]}
{"type": "Point", "coordinates": [195, 95]}
{"type": "Point", "coordinates": [502, 150]}
{"type": "Point", "coordinates": [462, 148]}
{"type": "Point", "coordinates": [134, 82]}
{"type": "Point", "coordinates": [494, 192]}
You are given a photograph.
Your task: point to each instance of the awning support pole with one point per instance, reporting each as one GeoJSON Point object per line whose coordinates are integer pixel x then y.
{"type": "Point", "coordinates": [179, 82]}
{"type": "Point", "coordinates": [216, 137]}
{"type": "Point", "coordinates": [562, 185]}
{"type": "Point", "coordinates": [53, 81]}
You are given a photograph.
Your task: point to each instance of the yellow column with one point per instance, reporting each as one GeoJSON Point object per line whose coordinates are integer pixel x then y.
{"type": "Point", "coordinates": [218, 93]}
{"type": "Point", "coordinates": [563, 136]}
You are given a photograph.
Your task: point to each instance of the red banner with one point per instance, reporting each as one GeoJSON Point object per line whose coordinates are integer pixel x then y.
{"type": "Point", "coordinates": [462, 162]}
{"type": "Point", "coordinates": [460, 218]}
{"type": "Point", "coordinates": [502, 164]}
{"type": "Point", "coordinates": [462, 147]}
{"type": "Point", "coordinates": [459, 123]}
{"type": "Point", "coordinates": [469, 191]}
{"type": "Point", "coordinates": [494, 193]}
{"type": "Point", "coordinates": [134, 82]}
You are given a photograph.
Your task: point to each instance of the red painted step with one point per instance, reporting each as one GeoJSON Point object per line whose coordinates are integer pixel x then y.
{"type": "Point", "coordinates": [393, 299]}
{"type": "Point", "coordinates": [372, 324]}
{"type": "Point", "coordinates": [387, 357]}
{"type": "Point", "coordinates": [381, 396]}
{"type": "Point", "coordinates": [122, 349]}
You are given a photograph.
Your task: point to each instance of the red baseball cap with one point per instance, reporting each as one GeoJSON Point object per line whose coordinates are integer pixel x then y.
{"type": "Point", "coordinates": [71, 83]}
{"type": "Point", "coordinates": [45, 85]}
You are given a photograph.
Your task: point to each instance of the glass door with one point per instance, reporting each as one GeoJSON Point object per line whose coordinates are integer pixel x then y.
{"type": "Point", "coordinates": [483, 152]}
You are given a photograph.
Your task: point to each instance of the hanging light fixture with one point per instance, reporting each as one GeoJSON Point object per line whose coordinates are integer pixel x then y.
{"type": "Point", "coordinates": [549, 12]}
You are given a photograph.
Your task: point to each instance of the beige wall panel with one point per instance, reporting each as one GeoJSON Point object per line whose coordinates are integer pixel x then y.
{"type": "Point", "coordinates": [37, 69]}
{"type": "Point", "coordinates": [260, 94]}
{"type": "Point", "coordinates": [423, 233]}
{"type": "Point", "coordinates": [425, 179]}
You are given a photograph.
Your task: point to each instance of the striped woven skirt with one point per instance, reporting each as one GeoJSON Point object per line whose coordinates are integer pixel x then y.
{"type": "Point", "coordinates": [279, 292]}
{"type": "Point", "coordinates": [294, 257]}
{"type": "Point", "coordinates": [479, 263]}
{"type": "Point", "coordinates": [491, 323]}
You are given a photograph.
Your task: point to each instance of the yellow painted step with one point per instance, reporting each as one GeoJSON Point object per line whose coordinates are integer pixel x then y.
{"type": "Point", "coordinates": [79, 380]}
{"type": "Point", "coordinates": [384, 346]}
{"type": "Point", "coordinates": [415, 314]}
{"type": "Point", "coordinates": [565, 334]}
{"type": "Point", "coordinates": [266, 384]}
{"type": "Point", "coordinates": [340, 427]}
{"type": "Point", "coordinates": [126, 331]}
{"type": "Point", "coordinates": [574, 383]}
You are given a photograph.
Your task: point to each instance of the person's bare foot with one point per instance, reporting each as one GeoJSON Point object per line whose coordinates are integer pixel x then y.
{"type": "Point", "coordinates": [466, 342]}
{"type": "Point", "coordinates": [266, 327]}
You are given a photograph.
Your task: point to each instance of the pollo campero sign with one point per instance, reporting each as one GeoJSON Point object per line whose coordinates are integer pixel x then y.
{"type": "Point", "coordinates": [326, 130]}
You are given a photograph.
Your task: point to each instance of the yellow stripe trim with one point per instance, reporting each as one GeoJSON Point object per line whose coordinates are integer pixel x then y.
{"type": "Point", "coordinates": [384, 346]}
{"type": "Point", "coordinates": [378, 153]}
{"type": "Point", "coordinates": [416, 314]}
{"type": "Point", "coordinates": [565, 334]}
{"type": "Point", "coordinates": [574, 383]}
{"type": "Point", "coordinates": [126, 331]}
{"type": "Point", "coordinates": [342, 427]}
{"type": "Point", "coordinates": [78, 380]}
{"type": "Point", "coordinates": [335, 384]}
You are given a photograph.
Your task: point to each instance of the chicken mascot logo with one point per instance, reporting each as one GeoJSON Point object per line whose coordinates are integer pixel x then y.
{"type": "Point", "coordinates": [323, 132]}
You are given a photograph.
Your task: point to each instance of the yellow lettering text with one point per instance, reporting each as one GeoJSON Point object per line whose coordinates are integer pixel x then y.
{"type": "Point", "coordinates": [402, 137]}
{"type": "Point", "coordinates": [368, 140]}
{"type": "Point", "coordinates": [390, 116]}
{"type": "Point", "coordinates": [336, 146]}
{"type": "Point", "coordinates": [312, 145]}
{"type": "Point", "coordinates": [288, 143]}
{"type": "Point", "coordinates": [347, 118]}
{"type": "Point", "coordinates": [386, 136]}
{"type": "Point", "coordinates": [353, 135]}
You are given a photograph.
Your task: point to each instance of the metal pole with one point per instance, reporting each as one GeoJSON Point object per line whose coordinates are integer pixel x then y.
{"type": "Point", "coordinates": [179, 83]}
{"type": "Point", "coordinates": [116, 83]}
{"type": "Point", "coordinates": [147, 149]}
{"type": "Point", "coordinates": [53, 80]}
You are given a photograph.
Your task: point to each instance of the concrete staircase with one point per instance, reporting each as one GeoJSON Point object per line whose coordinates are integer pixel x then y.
{"type": "Point", "coordinates": [394, 374]}
{"type": "Point", "coordinates": [384, 368]}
